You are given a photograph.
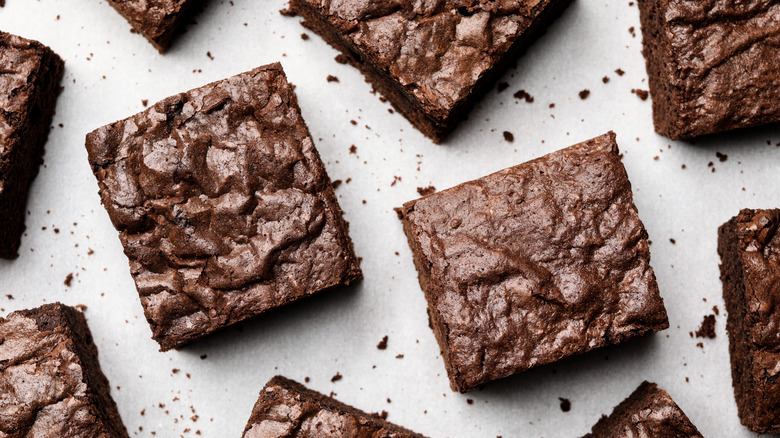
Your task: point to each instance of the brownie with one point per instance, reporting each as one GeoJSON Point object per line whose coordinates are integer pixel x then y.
{"type": "Point", "coordinates": [713, 66]}
{"type": "Point", "coordinates": [431, 60]}
{"type": "Point", "coordinates": [287, 409]}
{"type": "Point", "coordinates": [222, 204]}
{"type": "Point", "coordinates": [30, 75]}
{"type": "Point", "coordinates": [157, 20]}
{"type": "Point", "coordinates": [50, 377]}
{"type": "Point", "coordinates": [648, 412]}
{"type": "Point", "coordinates": [749, 247]}
{"type": "Point", "coordinates": [534, 263]}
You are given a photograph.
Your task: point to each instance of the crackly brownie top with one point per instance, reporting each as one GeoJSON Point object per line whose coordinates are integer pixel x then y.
{"type": "Point", "coordinates": [436, 49]}
{"type": "Point", "coordinates": [725, 60]}
{"type": "Point", "coordinates": [759, 246]}
{"type": "Point", "coordinates": [43, 391]}
{"type": "Point", "coordinates": [648, 412]}
{"type": "Point", "coordinates": [537, 262]}
{"type": "Point", "coordinates": [222, 203]}
{"type": "Point", "coordinates": [151, 17]}
{"type": "Point", "coordinates": [287, 409]}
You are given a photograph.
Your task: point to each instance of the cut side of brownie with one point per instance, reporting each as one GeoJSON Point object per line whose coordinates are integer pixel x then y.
{"type": "Point", "coordinates": [749, 247]}
{"type": "Point", "coordinates": [50, 378]}
{"type": "Point", "coordinates": [287, 409]}
{"type": "Point", "coordinates": [157, 20]}
{"type": "Point", "coordinates": [223, 205]}
{"type": "Point", "coordinates": [30, 75]}
{"type": "Point", "coordinates": [534, 263]}
{"type": "Point", "coordinates": [713, 66]}
{"type": "Point", "coordinates": [648, 412]}
{"type": "Point", "coordinates": [431, 60]}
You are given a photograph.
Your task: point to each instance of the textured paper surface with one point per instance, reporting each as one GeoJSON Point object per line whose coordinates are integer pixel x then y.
{"type": "Point", "coordinates": [109, 71]}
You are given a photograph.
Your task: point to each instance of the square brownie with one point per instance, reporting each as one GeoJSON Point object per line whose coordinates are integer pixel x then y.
{"type": "Point", "coordinates": [648, 412]}
{"type": "Point", "coordinates": [157, 20]}
{"type": "Point", "coordinates": [222, 204]}
{"type": "Point", "coordinates": [713, 66]}
{"type": "Point", "coordinates": [431, 60]}
{"type": "Point", "coordinates": [51, 384]}
{"type": "Point", "coordinates": [30, 75]}
{"type": "Point", "coordinates": [749, 247]}
{"type": "Point", "coordinates": [534, 263]}
{"type": "Point", "coordinates": [287, 409]}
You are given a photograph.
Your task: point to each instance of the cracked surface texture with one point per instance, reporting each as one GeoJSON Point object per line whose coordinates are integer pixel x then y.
{"type": "Point", "coordinates": [749, 246]}
{"type": "Point", "coordinates": [287, 409]}
{"type": "Point", "coordinates": [44, 388]}
{"type": "Point", "coordinates": [648, 412]}
{"type": "Point", "coordinates": [157, 20]}
{"type": "Point", "coordinates": [534, 263]}
{"type": "Point", "coordinates": [222, 204]}
{"type": "Point", "coordinates": [713, 64]}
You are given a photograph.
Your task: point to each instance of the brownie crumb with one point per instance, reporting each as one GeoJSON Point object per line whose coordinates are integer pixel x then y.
{"type": "Point", "coordinates": [721, 157]}
{"type": "Point", "coordinates": [82, 307]}
{"type": "Point", "coordinates": [502, 86]}
{"type": "Point", "coordinates": [672, 240]}
{"type": "Point", "coordinates": [425, 191]}
{"type": "Point", "coordinates": [469, 401]}
{"type": "Point", "coordinates": [620, 72]}
{"type": "Point", "coordinates": [287, 12]}
{"type": "Point", "coordinates": [400, 356]}
{"type": "Point", "coordinates": [382, 345]}
{"type": "Point", "coordinates": [716, 310]}
{"type": "Point", "coordinates": [203, 356]}
{"type": "Point", "coordinates": [522, 94]}
{"type": "Point", "coordinates": [211, 57]}
{"type": "Point", "coordinates": [642, 94]}
{"type": "Point", "coordinates": [508, 136]}
{"type": "Point", "coordinates": [9, 296]}
{"type": "Point", "coordinates": [332, 78]}
{"type": "Point", "coordinates": [336, 183]}
{"type": "Point", "coordinates": [305, 36]}
{"type": "Point", "coordinates": [565, 404]}
{"type": "Point", "coordinates": [306, 379]}
{"type": "Point", "coordinates": [707, 329]}
{"type": "Point", "coordinates": [353, 149]}
{"type": "Point", "coordinates": [605, 79]}
{"type": "Point", "coordinates": [584, 94]}
{"type": "Point", "coordinates": [145, 102]}
{"type": "Point", "coordinates": [68, 279]}
{"type": "Point", "coordinates": [342, 58]}
{"type": "Point", "coordinates": [337, 377]}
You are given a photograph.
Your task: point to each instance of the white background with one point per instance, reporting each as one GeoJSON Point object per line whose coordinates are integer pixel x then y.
{"type": "Point", "coordinates": [108, 73]}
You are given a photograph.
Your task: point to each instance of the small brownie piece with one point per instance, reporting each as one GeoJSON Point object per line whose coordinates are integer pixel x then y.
{"type": "Point", "coordinates": [157, 20]}
{"type": "Point", "coordinates": [286, 409]}
{"type": "Point", "coordinates": [222, 204]}
{"type": "Point", "coordinates": [431, 60]}
{"type": "Point", "coordinates": [648, 412]}
{"type": "Point", "coordinates": [534, 263]}
{"type": "Point", "coordinates": [51, 384]}
{"type": "Point", "coordinates": [30, 75]}
{"type": "Point", "coordinates": [713, 65]}
{"type": "Point", "coordinates": [749, 247]}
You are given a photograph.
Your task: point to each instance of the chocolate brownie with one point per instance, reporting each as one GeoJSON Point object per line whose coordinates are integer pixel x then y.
{"type": "Point", "coordinates": [157, 20]}
{"type": "Point", "coordinates": [749, 247]}
{"type": "Point", "coordinates": [534, 263]}
{"type": "Point", "coordinates": [50, 377]}
{"type": "Point", "coordinates": [431, 60]}
{"type": "Point", "coordinates": [222, 204]}
{"type": "Point", "coordinates": [287, 409]}
{"type": "Point", "coordinates": [713, 65]}
{"type": "Point", "coordinates": [30, 75]}
{"type": "Point", "coordinates": [648, 412]}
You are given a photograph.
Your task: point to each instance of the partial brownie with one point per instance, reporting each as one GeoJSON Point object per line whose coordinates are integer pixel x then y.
{"type": "Point", "coordinates": [431, 60]}
{"type": "Point", "coordinates": [713, 65]}
{"type": "Point", "coordinates": [534, 263]}
{"type": "Point", "coordinates": [648, 412]}
{"type": "Point", "coordinates": [749, 247]}
{"type": "Point", "coordinates": [222, 204]}
{"type": "Point", "coordinates": [157, 20]}
{"type": "Point", "coordinates": [286, 409]}
{"type": "Point", "coordinates": [30, 75]}
{"type": "Point", "coordinates": [51, 384]}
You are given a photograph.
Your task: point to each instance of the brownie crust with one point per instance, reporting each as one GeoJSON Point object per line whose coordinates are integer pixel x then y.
{"type": "Point", "coordinates": [432, 61]}
{"type": "Point", "coordinates": [712, 64]}
{"type": "Point", "coordinates": [534, 263]}
{"type": "Point", "coordinates": [223, 205]}
{"type": "Point", "coordinates": [648, 412]}
{"type": "Point", "coordinates": [157, 20]}
{"type": "Point", "coordinates": [749, 247]}
{"type": "Point", "coordinates": [288, 409]}
{"type": "Point", "coordinates": [50, 377]}
{"type": "Point", "coordinates": [30, 75]}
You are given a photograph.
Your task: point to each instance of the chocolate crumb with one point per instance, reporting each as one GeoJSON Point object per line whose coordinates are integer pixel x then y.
{"type": "Point", "coordinates": [382, 345]}
{"type": "Point", "coordinates": [502, 86]}
{"type": "Point", "coordinates": [337, 377]}
{"type": "Point", "coordinates": [82, 307]}
{"type": "Point", "coordinates": [400, 356]}
{"type": "Point", "coordinates": [305, 36]}
{"type": "Point", "coordinates": [306, 379]}
{"type": "Point", "coordinates": [508, 136]}
{"type": "Point", "coordinates": [716, 310]}
{"type": "Point", "coordinates": [672, 240]}
{"type": "Point", "coordinates": [469, 401]}
{"type": "Point", "coordinates": [211, 57]}
{"type": "Point", "coordinates": [332, 78]}
{"type": "Point", "coordinates": [565, 404]}
{"type": "Point", "coordinates": [707, 329]}
{"type": "Point", "coordinates": [353, 149]}
{"type": "Point", "coordinates": [642, 94]}
{"type": "Point", "coordinates": [203, 356]}
{"type": "Point", "coordinates": [605, 79]}
{"type": "Point", "coordinates": [425, 191]}
{"type": "Point", "coordinates": [721, 157]}
{"type": "Point", "coordinates": [584, 94]}
{"type": "Point", "coordinates": [620, 72]}
{"type": "Point", "coordinates": [287, 12]}
{"type": "Point", "coordinates": [342, 58]}
{"type": "Point", "coordinates": [522, 94]}
{"type": "Point", "coordinates": [145, 102]}
{"type": "Point", "coordinates": [336, 183]}
{"type": "Point", "coordinates": [68, 279]}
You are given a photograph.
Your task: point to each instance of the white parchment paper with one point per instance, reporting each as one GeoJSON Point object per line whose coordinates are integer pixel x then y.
{"type": "Point", "coordinates": [110, 71]}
